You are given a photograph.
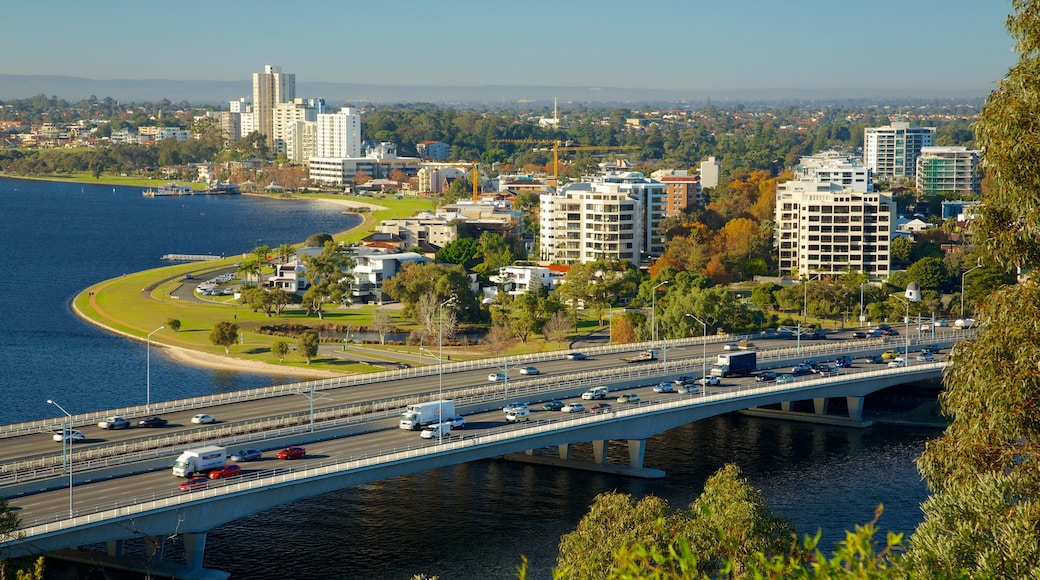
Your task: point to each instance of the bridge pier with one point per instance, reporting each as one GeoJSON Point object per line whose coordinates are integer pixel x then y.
{"type": "Point", "coordinates": [565, 451]}
{"type": "Point", "coordinates": [194, 550]}
{"type": "Point", "coordinates": [636, 452]}
{"type": "Point", "coordinates": [820, 405]}
{"type": "Point", "coordinates": [599, 451]}
{"type": "Point", "coordinates": [115, 547]}
{"type": "Point", "coordinates": [855, 407]}
{"type": "Point", "coordinates": [785, 406]}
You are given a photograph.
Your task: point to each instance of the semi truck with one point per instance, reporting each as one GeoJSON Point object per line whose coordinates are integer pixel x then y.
{"type": "Point", "coordinates": [735, 363]}
{"type": "Point", "coordinates": [645, 356]}
{"type": "Point", "coordinates": [199, 460]}
{"type": "Point", "coordinates": [420, 415]}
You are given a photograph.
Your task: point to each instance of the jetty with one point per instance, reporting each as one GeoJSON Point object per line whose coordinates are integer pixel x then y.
{"type": "Point", "coordinates": [189, 257]}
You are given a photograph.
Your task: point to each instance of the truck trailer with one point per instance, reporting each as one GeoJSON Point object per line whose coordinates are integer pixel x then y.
{"type": "Point", "coordinates": [199, 460]}
{"type": "Point", "coordinates": [420, 415]}
{"type": "Point", "coordinates": [735, 363]}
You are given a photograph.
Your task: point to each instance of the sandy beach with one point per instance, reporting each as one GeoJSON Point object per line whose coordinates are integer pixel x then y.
{"type": "Point", "coordinates": [204, 359]}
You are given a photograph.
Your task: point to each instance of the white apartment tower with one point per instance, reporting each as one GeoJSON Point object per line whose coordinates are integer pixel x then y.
{"type": "Point", "coordinates": [339, 134]}
{"type": "Point", "coordinates": [835, 167]}
{"type": "Point", "coordinates": [710, 172]}
{"type": "Point", "coordinates": [286, 116]}
{"type": "Point", "coordinates": [892, 150]}
{"type": "Point", "coordinates": [270, 88]}
{"type": "Point", "coordinates": [827, 228]}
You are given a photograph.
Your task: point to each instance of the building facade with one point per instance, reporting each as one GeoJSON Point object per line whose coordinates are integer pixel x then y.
{"type": "Point", "coordinates": [835, 167]}
{"type": "Point", "coordinates": [682, 191]}
{"type": "Point", "coordinates": [433, 150]}
{"type": "Point", "coordinates": [580, 225]}
{"type": "Point", "coordinates": [891, 151]}
{"type": "Point", "coordinates": [270, 88]}
{"type": "Point", "coordinates": [710, 172]}
{"type": "Point", "coordinates": [827, 228]}
{"type": "Point", "coordinates": [948, 170]}
{"type": "Point", "coordinates": [339, 134]}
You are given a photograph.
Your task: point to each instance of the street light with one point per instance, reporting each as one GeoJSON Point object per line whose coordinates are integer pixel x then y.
{"type": "Point", "coordinates": [913, 294]}
{"type": "Point", "coordinates": [148, 372]}
{"type": "Point", "coordinates": [66, 435]}
{"type": "Point", "coordinates": [704, 351]}
{"type": "Point", "coordinates": [653, 315]}
{"type": "Point", "coordinates": [962, 285]}
{"type": "Point", "coordinates": [440, 368]}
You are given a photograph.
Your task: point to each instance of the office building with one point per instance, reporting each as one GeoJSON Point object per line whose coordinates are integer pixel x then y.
{"type": "Point", "coordinates": [827, 228]}
{"type": "Point", "coordinates": [891, 151]}
{"type": "Point", "coordinates": [948, 170]}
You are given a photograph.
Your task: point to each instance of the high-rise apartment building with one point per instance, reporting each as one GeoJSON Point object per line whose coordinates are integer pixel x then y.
{"type": "Point", "coordinates": [270, 88]}
{"type": "Point", "coordinates": [827, 228]}
{"type": "Point", "coordinates": [682, 190]}
{"type": "Point", "coordinates": [948, 170]}
{"type": "Point", "coordinates": [710, 172]}
{"type": "Point", "coordinates": [835, 167]}
{"type": "Point", "coordinates": [286, 115]}
{"type": "Point", "coordinates": [339, 134]}
{"type": "Point", "coordinates": [891, 151]}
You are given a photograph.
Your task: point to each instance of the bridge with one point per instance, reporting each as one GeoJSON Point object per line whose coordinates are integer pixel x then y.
{"type": "Point", "coordinates": [356, 448]}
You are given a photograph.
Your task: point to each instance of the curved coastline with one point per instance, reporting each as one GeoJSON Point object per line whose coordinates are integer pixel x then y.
{"type": "Point", "coordinates": [208, 360]}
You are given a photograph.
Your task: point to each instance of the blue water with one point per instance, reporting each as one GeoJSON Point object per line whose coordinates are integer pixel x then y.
{"type": "Point", "coordinates": [60, 238]}
{"type": "Point", "coordinates": [472, 521]}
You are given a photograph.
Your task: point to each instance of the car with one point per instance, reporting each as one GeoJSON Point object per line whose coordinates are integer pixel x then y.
{"type": "Point", "coordinates": [573, 408]}
{"type": "Point", "coordinates": [403, 366]}
{"type": "Point", "coordinates": [926, 357]}
{"type": "Point", "coordinates": [594, 393]}
{"type": "Point", "coordinates": [843, 362]}
{"type": "Point", "coordinates": [964, 322]}
{"type": "Point", "coordinates": [600, 408]}
{"type": "Point", "coordinates": [496, 377]}
{"type": "Point", "coordinates": [577, 356]}
{"type": "Point", "coordinates": [629, 398]}
{"type": "Point", "coordinates": [152, 422]}
{"type": "Point", "coordinates": [244, 455]}
{"type": "Point", "coordinates": [664, 388]}
{"type": "Point", "coordinates": [766, 377]}
{"type": "Point", "coordinates": [456, 422]}
{"type": "Point", "coordinates": [530, 371]}
{"type": "Point", "coordinates": [225, 472]}
{"type": "Point", "coordinates": [114, 423]}
{"type": "Point", "coordinates": [889, 354]}
{"type": "Point", "coordinates": [194, 484]}
{"type": "Point", "coordinates": [552, 406]}
{"type": "Point", "coordinates": [745, 345]}
{"type": "Point", "coordinates": [687, 389]}
{"type": "Point", "coordinates": [731, 346]}
{"type": "Point", "coordinates": [682, 380]}
{"type": "Point", "coordinates": [801, 369]}
{"type": "Point", "coordinates": [926, 328]}
{"type": "Point", "coordinates": [70, 435]}
{"type": "Point", "coordinates": [896, 363]}
{"type": "Point", "coordinates": [514, 407]}
{"type": "Point", "coordinates": [436, 431]}
{"type": "Point", "coordinates": [826, 370]}
{"type": "Point", "coordinates": [859, 334]}
{"type": "Point", "coordinates": [291, 452]}
{"type": "Point", "coordinates": [941, 324]}
{"type": "Point", "coordinates": [710, 380]}
{"type": "Point", "coordinates": [875, 360]}
{"type": "Point", "coordinates": [784, 379]}
{"type": "Point", "coordinates": [202, 419]}
{"type": "Point", "coordinates": [890, 332]}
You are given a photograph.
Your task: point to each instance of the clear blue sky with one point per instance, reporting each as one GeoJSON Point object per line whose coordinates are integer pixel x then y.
{"type": "Point", "coordinates": [664, 44]}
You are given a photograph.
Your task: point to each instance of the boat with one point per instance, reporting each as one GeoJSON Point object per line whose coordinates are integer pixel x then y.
{"type": "Point", "coordinates": [219, 188]}
{"type": "Point", "coordinates": [169, 189]}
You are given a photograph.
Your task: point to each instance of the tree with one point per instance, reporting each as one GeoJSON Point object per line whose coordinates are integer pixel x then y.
{"type": "Point", "coordinates": [497, 338]}
{"type": "Point", "coordinates": [284, 252]}
{"type": "Point", "coordinates": [317, 240]}
{"type": "Point", "coordinates": [461, 251]}
{"type": "Point", "coordinates": [280, 348]}
{"type": "Point", "coordinates": [307, 343]}
{"type": "Point", "coordinates": [493, 253]}
{"type": "Point", "coordinates": [224, 334]}
{"type": "Point", "coordinates": [328, 277]}
{"type": "Point", "coordinates": [930, 273]}
{"type": "Point", "coordinates": [557, 328]}
{"type": "Point", "coordinates": [382, 324]}
{"type": "Point", "coordinates": [173, 324]}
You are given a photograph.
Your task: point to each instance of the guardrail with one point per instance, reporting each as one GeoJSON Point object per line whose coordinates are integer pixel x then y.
{"type": "Point", "coordinates": [48, 523]}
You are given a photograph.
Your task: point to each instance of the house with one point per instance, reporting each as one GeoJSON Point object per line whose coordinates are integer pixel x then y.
{"type": "Point", "coordinates": [289, 277]}
{"type": "Point", "coordinates": [374, 267]}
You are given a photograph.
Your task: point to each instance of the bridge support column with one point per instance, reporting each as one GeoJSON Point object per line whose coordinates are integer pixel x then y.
{"type": "Point", "coordinates": [636, 452]}
{"type": "Point", "coordinates": [820, 406]}
{"type": "Point", "coordinates": [115, 547]}
{"type": "Point", "coordinates": [855, 407]}
{"type": "Point", "coordinates": [785, 406]}
{"type": "Point", "coordinates": [194, 550]}
{"type": "Point", "coordinates": [599, 451]}
{"type": "Point", "coordinates": [565, 451]}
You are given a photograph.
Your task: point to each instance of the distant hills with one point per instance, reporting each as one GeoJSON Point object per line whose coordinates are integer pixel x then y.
{"type": "Point", "coordinates": [337, 94]}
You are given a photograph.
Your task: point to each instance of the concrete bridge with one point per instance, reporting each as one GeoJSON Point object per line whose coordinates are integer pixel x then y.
{"type": "Point", "coordinates": [148, 510]}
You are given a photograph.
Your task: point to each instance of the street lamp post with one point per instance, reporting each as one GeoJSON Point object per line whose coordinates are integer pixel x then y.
{"type": "Point", "coordinates": [66, 435]}
{"type": "Point", "coordinates": [913, 294]}
{"type": "Point", "coordinates": [653, 318]}
{"type": "Point", "coordinates": [148, 372]}
{"type": "Point", "coordinates": [962, 285]}
{"type": "Point", "coordinates": [704, 352]}
{"type": "Point", "coordinates": [440, 369]}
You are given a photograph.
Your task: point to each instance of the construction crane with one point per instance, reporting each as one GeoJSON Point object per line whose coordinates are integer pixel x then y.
{"type": "Point", "coordinates": [558, 146]}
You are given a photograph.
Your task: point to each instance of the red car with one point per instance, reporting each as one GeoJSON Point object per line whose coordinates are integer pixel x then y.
{"type": "Point", "coordinates": [293, 452]}
{"type": "Point", "coordinates": [194, 484]}
{"type": "Point", "coordinates": [226, 471]}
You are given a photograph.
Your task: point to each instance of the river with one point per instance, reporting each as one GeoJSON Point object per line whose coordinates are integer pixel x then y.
{"type": "Point", "coordinates": [472, 521]}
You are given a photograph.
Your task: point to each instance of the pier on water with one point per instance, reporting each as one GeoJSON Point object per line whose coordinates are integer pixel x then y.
{"type": "Point", "coordinates": [190, 257]}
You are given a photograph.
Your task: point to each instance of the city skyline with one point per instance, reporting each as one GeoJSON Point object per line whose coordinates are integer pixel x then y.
{"type": "Point", "coordinates": [931, 46]}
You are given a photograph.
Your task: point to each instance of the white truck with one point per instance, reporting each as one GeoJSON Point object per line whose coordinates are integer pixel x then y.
{"type": "Point", "coordinates": [735, 363]}
{"type": "Point", "coordinates": [420, 415]}
{"type": "Point", "coordinates": [644, 356]}
{"type": "Point", "coordinates": [199, 460]}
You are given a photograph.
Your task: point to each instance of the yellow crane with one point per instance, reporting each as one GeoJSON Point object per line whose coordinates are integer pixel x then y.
{"type": "Point", "coordinates": [558, 146]}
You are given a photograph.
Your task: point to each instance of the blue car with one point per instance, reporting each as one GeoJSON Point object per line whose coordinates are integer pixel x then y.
{"type": "Point", "coordinates": [247, 455]}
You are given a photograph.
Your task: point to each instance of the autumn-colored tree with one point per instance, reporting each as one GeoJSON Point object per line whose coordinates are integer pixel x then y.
{"type": "Point", "coordinates": [361, 178]}
{"type": "Point", "coordinates": [398, 176]}
{"type": "Point", "coordinates": [717, 271]}
{"type": "Point", "coordinates": [622, 330]}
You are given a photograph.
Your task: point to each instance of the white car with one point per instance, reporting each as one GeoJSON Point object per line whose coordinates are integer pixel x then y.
{"type": "Point", "coordinates": [731, 346]}
{"type": "Point", "coordinates": [456, 422]}
{"type": "Point", "coordinates": [203, 418]}
{"type": "Point", "coordinates": [712, 380]}
{"type": "Point", "coordinates": [629, 398]}
{"type": "Point", "coordinates": [664, 388]}
{"type": "Point", "coordinates": [496, 377]}
{"type": "Point", "coordinates": [114, 423]}
{"type": "Point", "coordinates": [70, 434]}
{"type": "Point", "coordinates": [926, 357]}
{"type": "Point", "coordinates": [896, 363]}
{"type": "Point", "coordinates": [530, 371]}
{"type": "Point", "coordinates": [573, 408]}
{"type": "Point", "coordinates": [514, 407]}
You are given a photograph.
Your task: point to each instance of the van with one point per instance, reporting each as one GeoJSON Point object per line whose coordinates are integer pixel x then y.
{"type": "Point", "coordinates": [517, 415]}
{"type": "Point", "coordinates": [594, 393]}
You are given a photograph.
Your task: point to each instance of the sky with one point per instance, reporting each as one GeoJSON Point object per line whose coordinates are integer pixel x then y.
{"type": "Point", "coordinates": [696, 45]}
